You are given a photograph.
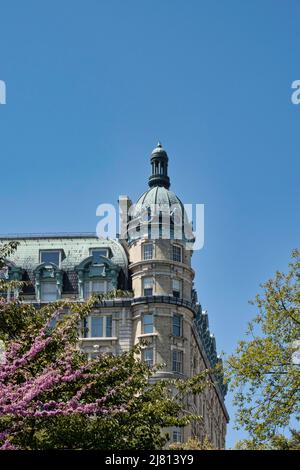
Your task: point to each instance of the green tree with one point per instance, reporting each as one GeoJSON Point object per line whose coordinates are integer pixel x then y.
{"type": "Point", "coordinates": [263, 374]}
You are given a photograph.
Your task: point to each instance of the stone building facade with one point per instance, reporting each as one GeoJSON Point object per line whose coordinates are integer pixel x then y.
{"type": "Point", "coordinates": [162, 309]}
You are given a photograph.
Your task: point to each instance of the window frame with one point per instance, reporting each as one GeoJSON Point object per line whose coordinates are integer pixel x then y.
{"type": "Point", "coordinates": [87, 326]}
{"type": "Point", "coordinates": [175, 368]}
{"type": "Point", "coordinates": [179, 326]}
{"type": "Point", "coordinates": [45, 282]}
{"type": "Point", "coordinates": [149, 362]}
{"type": "Point", "coordinates": [174, 257]}
{"type": "Point", "coordinates": [41, 252]}
{"type": "Point", "coordinates": [91, 251]}
{"type": "Point", "coordinates": [151, 324]}
{"type": "Point", "coordinates": [177, 291]}
{"type": "Point", "coordinates": [91, 292]}
{"type": "Point", "coordinates": [148, 288]}
{"type": "Point", "coordinates": [179, 435]}
{"type": "Point", "coordinates": [144, 246]}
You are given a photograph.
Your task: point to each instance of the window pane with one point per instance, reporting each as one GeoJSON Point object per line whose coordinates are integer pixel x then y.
{"type": "Point", "coordinates": [85, 328]}
{"type": "Point", "coordinates": [177, 325]}
{"type": "Point", "coordinates": [177, 361]}
{"type": "Point", "coordinates": [86, 290]}
{"type": "Point", "coordinates": [52, 323]}
{"type": "Point", "coordinates": [109, 326]}
{"type": "Point", "coordinates": [148, 292]}
{"type": "Point", "coordinates": [176, 288]}
{"type": "Point", "coordinates": [177, 435]}
{"type": "Point", "coordinates": [48, 291]}
{"type": "Point", "coordinates": [4, 273]}
{"type": "Point", "coordinates": [50, 257]}
{"type": "Point", "coordinates": [148, 356]}
{"type": "Point", "coordinates": [96, 254]}
{"type": "Point", "coordinates": [177, 253]}
{"type": "Point", "coordinates": [148, 286]}
{"type": "Point", "coordinates": [97, 327]}
{"type": "Point", "coordinates": [148, 282]}
{"type": "Point", "coordinates": [98, 287]}
{"type": "Point", "coordinates": [148, 323]}
{"type": "Point", "coordinates": [148, 251]}
{"type": "Point", "coordinates": [93, 287]}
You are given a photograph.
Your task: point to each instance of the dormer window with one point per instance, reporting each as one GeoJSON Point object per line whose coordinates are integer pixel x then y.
{"type": "Point", "coordinates": [97, 275]}
{"type": "Point", "coordinates": [50, 256]}
{"type": "Point", "coordinates": [96, 253]}
{"type": "Point", "coordinates": [48, 280]}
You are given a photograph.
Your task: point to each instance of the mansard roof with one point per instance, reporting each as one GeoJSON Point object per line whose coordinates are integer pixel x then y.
{"type": "Point", "coordinates": [74, 247]}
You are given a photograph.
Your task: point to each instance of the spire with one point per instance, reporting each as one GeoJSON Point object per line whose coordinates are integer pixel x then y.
{"type": "Point", "coordinates": [159, 164]}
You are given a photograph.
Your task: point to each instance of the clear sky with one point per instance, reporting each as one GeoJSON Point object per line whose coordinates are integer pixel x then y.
{"type": "Point", "coordinates": [92, 85]}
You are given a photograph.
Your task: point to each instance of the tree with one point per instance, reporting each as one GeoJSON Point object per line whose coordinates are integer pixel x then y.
{"type": "Point", "coordinates": [51, 396]}
{"type": "Point", "coordinates": [276, 442]}
{"type": "Point", "coordinates": [263, 374]}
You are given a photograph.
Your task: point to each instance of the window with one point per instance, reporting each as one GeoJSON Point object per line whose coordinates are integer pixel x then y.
{"type": "Point", "coordinates": [177, 325]}
{"type": "Point", "coordinates": [4, 273]}
{"type": "Point", "coordinates": [148, 356]}
{"type": "Point", "coordinates": [98, 327]}
{"type": "Point", "coordinates": [49, 291]}
{"type": "Point", "coordinates": [177, 357]}
{"type": "Point", "coordinates": [52, 323]}
{"type": "Point", "coordinates": [50, 256]}
{"type": "Point", "coordinates": [148, 286]}
{"type": "Point", "coordinates": [177, 253]}
{"type": "Point", "coordinates": [108, 326]}
{"type": "Point", "coordinates": [96, 253]}
{"type": "Point", "coordinates": [176, 288]}
{"type": "Point", "coordinates": [177, 435]}
{"type": "Point", "coordinates": [94, 287]}
{"type": "Point", "coordinates": [148, 323]}
{"type": "Point", "coordinates": [148, 251]}
{"type": "Point", "coordinates": [93, 356]}
{"type": "Point", "coordinates": [10, 294]}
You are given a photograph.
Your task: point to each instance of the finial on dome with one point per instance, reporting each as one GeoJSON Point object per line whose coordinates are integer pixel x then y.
{"type": "Point", "coordinates": [159, 164]}
{"type": "Point", "coordinates": [159, 149]}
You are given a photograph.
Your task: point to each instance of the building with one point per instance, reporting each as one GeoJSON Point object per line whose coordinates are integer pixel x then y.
{"type": "Point", "coordinates": [163, 308]}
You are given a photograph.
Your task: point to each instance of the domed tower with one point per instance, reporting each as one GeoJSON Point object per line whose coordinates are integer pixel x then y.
{"type": "Point", "coordinates": [160, 253]}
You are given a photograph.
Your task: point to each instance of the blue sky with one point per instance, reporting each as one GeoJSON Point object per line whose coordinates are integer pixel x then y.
{"type": "Point", "coordinates": [92, 85]}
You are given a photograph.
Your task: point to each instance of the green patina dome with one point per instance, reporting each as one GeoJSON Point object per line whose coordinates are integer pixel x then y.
{"type": "Point", "coordinates": [157, 195]}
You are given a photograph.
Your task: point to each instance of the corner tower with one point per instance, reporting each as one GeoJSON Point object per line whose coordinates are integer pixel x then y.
{"type": "Point", "coordinates": [165, 311]}
{"type": "Point", "coordinates": [161, 273]}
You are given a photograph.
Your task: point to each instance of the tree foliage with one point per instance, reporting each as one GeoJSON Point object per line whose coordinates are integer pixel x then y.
{"type": "Point", "coordinates": [263, 376]}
